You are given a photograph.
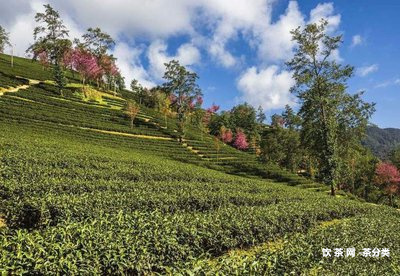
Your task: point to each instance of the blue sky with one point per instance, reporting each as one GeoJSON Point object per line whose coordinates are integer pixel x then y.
{"type": "Point", "coordinates": [237, 47]}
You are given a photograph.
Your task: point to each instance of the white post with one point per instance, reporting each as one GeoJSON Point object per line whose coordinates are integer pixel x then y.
{"type": "Point", "coordinates": [12, 55]}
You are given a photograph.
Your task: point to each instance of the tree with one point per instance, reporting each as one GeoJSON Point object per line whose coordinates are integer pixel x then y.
{"type": "Point", "coordinates": [290, 118]}
{"type": "Point", "coordinates": [132, 109]}
{"type": "Point", "coordinates": [49, 35]}
{"type": "Point", "coordinates": [277, 121]}
{"type": "Point", "coordinates": [395, 157]}
{"type": "Point", "coordinates": [226, 135]}
{"type": "Point", "coordinates": [281, 145]}
{"type": "Point", "coordinates": [332, 119]}
{"type": "Point", "coordinates": [97, 42]}
{"type": "Point", "coordinates": [59, 78]}
{"type": "Point", "coordinates": [119, 82]}
{"type": "Point", "coordinates": [260, 115]}
{"type": "Point", "coordinates": [240, 140]}
{"type": "Point", "coordinates": [243, 116]}
{"type": "Point", "coordinates": [163, 105]}
{"type": "Point", "coordinates": [216, 121]}
{"type": "Point", "coordinates": [43, 59]}
{"type": "Point", "coordinates": [138, 89]}
{"type": "Point", "coordinates": [4, 39]}
{"type": "Point", "coordinates": [388, 177]}
{"type": "Point", "coordinates": [182, 84]}
{"type": "Point", "coordinates": [86, 64]}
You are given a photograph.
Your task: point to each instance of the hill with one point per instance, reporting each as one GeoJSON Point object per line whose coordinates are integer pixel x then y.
{"type": "Point", "coordinates": [382, 141]}
{"type": "Point", "coordinates": [83, 193]}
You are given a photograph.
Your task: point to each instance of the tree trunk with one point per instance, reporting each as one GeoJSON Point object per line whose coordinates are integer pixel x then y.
{"type": "Point", "coordinates": [132, 123]}
{"type": "Point", "coordinates": [333, 190]}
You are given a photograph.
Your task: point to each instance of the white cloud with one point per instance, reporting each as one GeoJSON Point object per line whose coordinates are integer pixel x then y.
{"type": "Point", "coordinates": [211, 26]}
{"type": "Point", "coordinates": [154, 19]}
{"type": "Point", "coordinates": [226, 21]}
{"type": "Point", "coordinates": [325, 11]}
{"type": "Point", "coordinates": [187, 55]}
{"type": "Point", "coordinates": [269, 87]}
{"type": "Point", "coordinates": [21, 29]}
{"type": "Point", "coordinates": [356, 40]}
{"type": "Point", "coordinates": [366, 70]}
{"type": "Point", "coordinates": [388, 83]}
{"type": "Point", "coordinates": [128, 61]}
{"type": "Point", "coordinates": [218, 51]}
{"type": "Point", "coordinates": [275, 40]}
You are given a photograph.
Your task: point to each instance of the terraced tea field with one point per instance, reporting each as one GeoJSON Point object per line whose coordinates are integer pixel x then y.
{"type": "Point", "coordinates": [83, 193]}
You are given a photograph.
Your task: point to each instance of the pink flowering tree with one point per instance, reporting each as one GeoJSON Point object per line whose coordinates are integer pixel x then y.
{"type": "Point", "coordinates": [209, 113]}
{"type": "Point", "coordinates": [240, 140]}
{"type": "Point", "coordinates": [387, 176]}
{"type": "Point", "coordinates": [226, 135]}
{"type": "Point", "coordinates": [86, 64]}
{"type": "Point", "coordinates": [43, 59]}
{"type": "Point", "coordinates": [199, 101]}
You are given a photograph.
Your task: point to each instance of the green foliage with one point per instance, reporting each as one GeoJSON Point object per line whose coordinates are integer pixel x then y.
{"type": "Point", "coordinates": [79, 196]}
{"type": "Point", "coordinates": [282, 146]}
{"type": "Point", "coordinates": [181, 83]}
{"type": "Point", "coordinates": [261, 115]}
{"type": "Point", "coordinates": [395, 157]}
{"type": "Point", "coordinates": [59, 78]}
{"type": "Point", "coordinates": [131, 109]}
{"type": "Point", "coordinates": [62, 201]}
{"type": "Point", "coordinates": [291, 119]}
{"type": "Point", "coordinates": [49, 35]}
{"type": "Point", "coordinates": [382, 141]}
{"type": "Point", "coordinates": [97, 41]}
{"type": "Point", "coordinates": [243, 116]}
{"type": "Point", "coordinates": [301, 254]}
{"type": "Point", "coordinates": [29, 69]}
{"type": "Point", "coordinates": [333, 121]}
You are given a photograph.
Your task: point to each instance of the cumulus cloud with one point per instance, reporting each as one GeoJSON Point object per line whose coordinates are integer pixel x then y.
{"type": "Point", "coordinates": [366, 70]}
{"type": "Point", "coordinates": [128, 61]}
{"type": "Point", "coordinates": [325, 11]}
{"type": "Point", "coordinates": [210, 26]}
{"type": "Point", "coordinates": [275, 40]}
{"type": "Point", "coordinates": [21, 27]}
{"type": "Point", "coordinates": [187, 55]}
{"type": "Point", "coordinates": [226, 21]}
{"type": "Point", "coordinates": [268, 87]}
{"type": "Point", "coordinates": [356, 40]}
{"type": "Point", "coordinates": [154, 19]}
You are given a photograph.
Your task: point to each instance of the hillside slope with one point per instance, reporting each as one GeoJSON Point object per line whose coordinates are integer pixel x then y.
{"type": "Point", "coordinates": [83, 193]}
{"type": "Point", "coordinates": [382, 141]}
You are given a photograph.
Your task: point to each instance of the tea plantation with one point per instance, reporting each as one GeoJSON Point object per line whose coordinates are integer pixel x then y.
{"type": "Point", "coordinates": [82, 193]}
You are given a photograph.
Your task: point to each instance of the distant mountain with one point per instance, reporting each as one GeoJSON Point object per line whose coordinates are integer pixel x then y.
{"type": "Point", "coordinates": [382, 140]}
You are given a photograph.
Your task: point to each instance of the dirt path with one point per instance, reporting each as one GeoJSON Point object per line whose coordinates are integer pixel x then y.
{"type": "Point", "coordinates": [13, 89]}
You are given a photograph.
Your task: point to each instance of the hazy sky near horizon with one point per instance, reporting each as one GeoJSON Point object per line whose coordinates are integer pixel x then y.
{"type": "Point", "coordinates": [238, 47]}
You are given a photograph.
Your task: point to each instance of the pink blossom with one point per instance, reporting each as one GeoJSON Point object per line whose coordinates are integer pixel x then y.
{"type": "Point", "coordinates": [86, 64]}
{"type": "Point", "coordinates": [387, 173]}
{"type": "Point", "coordinates": [199, 100]}
{"type": "Point", "coordinates": [226, 135]}
{"type": "Point", "coordinates": [240, 140]}
{"type": "Point", "coordinates": [214, 108]}
{"type": "Point", "coordinates": [43, 58]}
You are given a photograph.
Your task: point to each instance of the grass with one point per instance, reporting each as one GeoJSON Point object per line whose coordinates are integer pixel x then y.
{"type": "Point", "coordinates": [110, 201]}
